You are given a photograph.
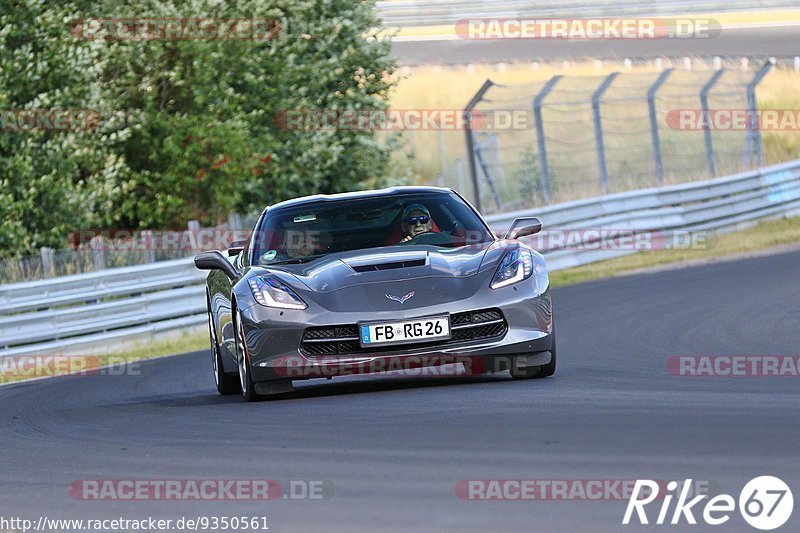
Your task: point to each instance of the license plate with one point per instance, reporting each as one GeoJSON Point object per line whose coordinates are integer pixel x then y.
{"type": "Point", "coordinates": [404, 331]}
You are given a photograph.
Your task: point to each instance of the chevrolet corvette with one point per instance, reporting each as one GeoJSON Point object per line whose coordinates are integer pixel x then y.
{"type": "Point", "coordinates": [363, 282]}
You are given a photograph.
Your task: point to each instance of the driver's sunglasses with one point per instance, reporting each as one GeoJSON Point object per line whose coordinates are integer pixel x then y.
{"type": "Point", "coordinates": [422, 219]}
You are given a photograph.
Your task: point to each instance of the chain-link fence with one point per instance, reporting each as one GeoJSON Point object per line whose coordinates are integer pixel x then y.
{"type": "Point", "coordinates": [587, 136]}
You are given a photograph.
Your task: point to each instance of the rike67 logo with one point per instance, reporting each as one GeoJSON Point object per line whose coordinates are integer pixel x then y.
{"type": "Point", "coordinates": [765, 503]}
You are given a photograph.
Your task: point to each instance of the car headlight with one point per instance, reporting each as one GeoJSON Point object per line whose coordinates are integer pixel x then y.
{"type": "Point", "coordinates": [515, 266]}
{"type": "Point", "coordinates": [272, 292]}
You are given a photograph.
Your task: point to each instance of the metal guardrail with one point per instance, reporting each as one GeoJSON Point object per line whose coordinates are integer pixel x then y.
{"type": "Point", "coordinates": [720, 204]}
{"type": "Point", "coordinates": [67, 314]}
{"type": "Point", "coordinates": [102, 285]}
{"type": "Point", "coordinates": [70, 312]}
{"type": "Point", "coordinates": [404, 13]}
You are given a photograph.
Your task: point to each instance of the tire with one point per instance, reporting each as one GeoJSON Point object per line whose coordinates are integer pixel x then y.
{"type": "Point", "coordinates": [536, 372]}
{"type": "Point", "coordinates": [226, 383]}
{"type": "Point", "coordinates": [246, 384]}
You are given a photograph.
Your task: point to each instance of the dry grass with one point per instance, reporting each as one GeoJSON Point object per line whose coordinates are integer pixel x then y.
{"type": "Point", "coordinates": [761, 237]}
{"type": "Point", "coordinates": [21, 368]}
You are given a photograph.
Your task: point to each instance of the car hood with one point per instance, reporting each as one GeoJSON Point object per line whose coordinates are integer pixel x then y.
{"type": "Point", "coordinates": [399, 279]}
{"type": "Point", "coordinates": [396, 263]}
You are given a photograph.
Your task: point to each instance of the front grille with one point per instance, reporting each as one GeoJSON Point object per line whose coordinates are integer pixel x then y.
{"type": "Point", "coordinates": [343, 339]}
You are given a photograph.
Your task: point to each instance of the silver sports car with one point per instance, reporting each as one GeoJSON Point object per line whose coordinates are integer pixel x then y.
{"type": "Point", "coordinates": [373, 281]}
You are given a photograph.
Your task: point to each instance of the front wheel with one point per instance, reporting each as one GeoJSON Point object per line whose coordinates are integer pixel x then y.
{"type": "Point", "coordinates": [226, 383]}
{"type": "Point", "coordinates": [245, 374]}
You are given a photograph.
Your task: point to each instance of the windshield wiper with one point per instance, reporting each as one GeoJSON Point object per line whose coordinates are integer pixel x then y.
{"type": "Point", "coordinates": [298, 260]}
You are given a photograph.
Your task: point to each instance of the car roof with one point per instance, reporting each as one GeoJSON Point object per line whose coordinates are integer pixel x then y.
{"type": "Point", "coordinates": [374, 193]}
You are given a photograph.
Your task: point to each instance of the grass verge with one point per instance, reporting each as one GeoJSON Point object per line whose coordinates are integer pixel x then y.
{"type": "Point", "coordinates": [34, 366]}
{"type": "Point", "coordinates": [764, 236]}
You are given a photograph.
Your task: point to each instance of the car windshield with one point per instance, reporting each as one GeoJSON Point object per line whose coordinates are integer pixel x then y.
{"type": "Point", "coordinates": [302, 233]}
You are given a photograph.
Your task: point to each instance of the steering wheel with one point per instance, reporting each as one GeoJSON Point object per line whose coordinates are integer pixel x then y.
{"type": "Point", "coordinates": [427, 237]}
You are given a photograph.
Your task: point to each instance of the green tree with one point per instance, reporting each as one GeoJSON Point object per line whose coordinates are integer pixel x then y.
{"type": "Point", "coordinates": [187, 126]}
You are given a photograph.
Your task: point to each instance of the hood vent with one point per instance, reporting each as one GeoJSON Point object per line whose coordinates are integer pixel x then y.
{"type": "Point", "coordinates": [388, 266]}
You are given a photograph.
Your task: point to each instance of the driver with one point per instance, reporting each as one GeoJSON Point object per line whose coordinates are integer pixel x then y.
{"type": "Point", "coordinates": [416, 220]}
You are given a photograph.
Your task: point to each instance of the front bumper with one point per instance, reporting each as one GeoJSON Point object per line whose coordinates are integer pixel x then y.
{"type": "Point", "coordinates": [274, 337]}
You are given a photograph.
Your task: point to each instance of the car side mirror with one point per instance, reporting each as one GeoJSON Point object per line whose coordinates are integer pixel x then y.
{"type": "Point", "coordinates": [522, 227]}
{"type": "Point", "coordinates": [236, 247]}
{"type": "Point", "coordinates": [214, 260]}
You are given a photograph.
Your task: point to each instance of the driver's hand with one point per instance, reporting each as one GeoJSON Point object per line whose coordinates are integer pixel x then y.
{"type": "Point", "coordinates": [406, 238]}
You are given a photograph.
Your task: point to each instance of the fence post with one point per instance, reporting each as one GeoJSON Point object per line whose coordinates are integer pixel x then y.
{"type": "Point", "coordinates": [473, 170]}
{"type": "Point", "coordinates": [442, 151]}
{"type": "Point", "coordinates": [753, 134]}
{"type": "Point", "coordinates": [654, 134]}
{"type": "Point", "coordinates": [598, 129]}
{"type": "Point", "coordinates": [492, 146]}
{"type": "Point", "coordinates": [712, 165]}
{"type": "Point", "coordinates": [547, 180]}
{"type": "Point", "coordinates": [48, 269]}
{"type": "Point", "coordinates": [459, 170]}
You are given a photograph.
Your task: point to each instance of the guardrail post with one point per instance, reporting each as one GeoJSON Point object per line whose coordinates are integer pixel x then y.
{"type": "Point", "coordinates": [234, 221]}
{"type": "Point", "coordinates": [598, 130]}
{"type": "Point", "coordinates": [547, 180]}
{"type": "Point", "coordinates": [47, 262]}
{"type": "Point", "coordinates": [753, 134]}
{"type": "Point", "coordinates": [473, 170]}
{"type": "Point", "coordinates": [712, 165]}
{"type": "Point", "coordinates": [149, 246]}
{"type": "Point", "coordinates": [654, 134]}
{"type": "Point", "coordinates": [98, 253]}
{"type": "Point", "coordinates": [194, 231]}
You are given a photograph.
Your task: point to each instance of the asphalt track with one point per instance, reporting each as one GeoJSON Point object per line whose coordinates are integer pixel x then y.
{"type": "Point", "coordinates": [756, 42]}
{"type": "Point", "coordinates": [394, 449]}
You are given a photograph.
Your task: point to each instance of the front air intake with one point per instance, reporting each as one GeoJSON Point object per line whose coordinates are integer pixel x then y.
{"type": "Point", "coordinates": [388, 266]}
